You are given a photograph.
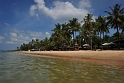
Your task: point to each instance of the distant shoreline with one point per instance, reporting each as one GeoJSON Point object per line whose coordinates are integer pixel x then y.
{"type": "Point", "coordinates": [104, 57]}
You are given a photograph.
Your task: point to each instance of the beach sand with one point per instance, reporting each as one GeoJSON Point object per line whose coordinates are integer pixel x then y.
{"type": "Point", "coordinates": [104, 57]}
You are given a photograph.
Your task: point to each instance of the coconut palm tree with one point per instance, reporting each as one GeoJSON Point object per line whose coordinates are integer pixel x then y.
{"type": "Point", "coordinates": [102, 26]}
{"type": "Point", "coordinates": [115, 18]}
{"type": "Point", "coordinates": [122, 27]}
{"type": "Point", "coordinates": [66, 33]}
{"type": "Point", "coordinates": [57, 35]}
{"type": "Point", "coordinates": [74, 25]}
{"type": "Point", "coordinates": [88, 20]}
{"type": "Point", "coordinates": [88, 26]}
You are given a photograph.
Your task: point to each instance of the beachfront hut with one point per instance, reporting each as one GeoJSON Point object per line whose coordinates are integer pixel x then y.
{"type": "Point", "coordinates": [121, 43]}
{"type": "Point", "coordinates": [114, 45]}
{"type": "Point", "coordinates": [35, 49]}
{"type": "Point", "coordinates": [107, 46]}
{"type": "Point", "coordinates": [86, 46]}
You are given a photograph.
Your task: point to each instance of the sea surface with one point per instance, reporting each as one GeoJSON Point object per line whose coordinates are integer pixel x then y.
{"type": "Point", "coordinates": [17, 68]}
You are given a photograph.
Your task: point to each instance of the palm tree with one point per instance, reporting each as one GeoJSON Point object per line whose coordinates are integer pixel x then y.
{"type": "Point", "coordinates": [122, 32]}
{"type": "Point", "coordinates": [33, 42]}
{"type": "Point", "coordinates": [37, 44]}
{"type": "Point", "coordinates": [88, 23]}
{"type": "Point", "coordinates": [57, 35]}
{"type": "Point", "coordinates": [122, 27]}
{"type": "Point", "coordinates": [66, 33]}
{"type": "Point", "coordinates": [115, 18]}
{"type": "Point", "coordinates": [74, 26]}
{"type": "Point", "coordinates": [102, 26]}
{"type": "Point", "coordinates": [18, 48]}
{"type": "Point", "coordinates": [88, 26]}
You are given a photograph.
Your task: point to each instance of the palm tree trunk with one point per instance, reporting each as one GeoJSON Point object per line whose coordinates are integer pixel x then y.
{"type": "Point", "coordinates": [100, 38]}
{"type": "Point", "coordinates": [118, 38]}
{"type": "Point", "coordinates": [100, 35]}
{"type": "Point", "coordinates": [73, 38]}
{"type": "Point", "coordinates": [103, 38]}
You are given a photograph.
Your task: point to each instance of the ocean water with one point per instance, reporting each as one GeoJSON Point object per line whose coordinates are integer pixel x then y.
{"type": "Point", "coordinates": [17, 68]}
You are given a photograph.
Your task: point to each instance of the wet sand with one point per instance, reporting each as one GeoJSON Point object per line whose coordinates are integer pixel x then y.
{"type": "Point", "coordinates": [104, 57]}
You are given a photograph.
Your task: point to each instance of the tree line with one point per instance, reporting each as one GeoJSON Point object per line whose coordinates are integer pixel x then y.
{"type": "Point", "coordinates": [88, 31]}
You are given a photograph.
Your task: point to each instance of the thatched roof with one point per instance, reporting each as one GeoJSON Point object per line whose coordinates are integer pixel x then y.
{"type": "Point", "coordinates": [86, 45]}
{"type": "Point", "coordinates": [106, 44]}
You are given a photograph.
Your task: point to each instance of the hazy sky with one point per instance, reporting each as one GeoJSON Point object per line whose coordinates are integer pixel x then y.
{"type": "Point", "coordinates": [24, 20]}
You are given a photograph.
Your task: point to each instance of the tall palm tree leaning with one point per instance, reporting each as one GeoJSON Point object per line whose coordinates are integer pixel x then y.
{"type": "Point", "coordinates": [115, 18]}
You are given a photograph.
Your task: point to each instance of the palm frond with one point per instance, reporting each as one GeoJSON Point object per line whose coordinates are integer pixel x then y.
{"type": "Point", "coordinates": [110, 13]}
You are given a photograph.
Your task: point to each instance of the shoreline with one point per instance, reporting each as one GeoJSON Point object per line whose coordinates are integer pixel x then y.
{"type": "Point", "coordinates": [103, 57]}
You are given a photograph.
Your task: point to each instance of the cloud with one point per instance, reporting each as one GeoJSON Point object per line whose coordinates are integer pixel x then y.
{"type": "Point", "coordinates": [32, 10]}
{"type": "Point", "coordinates": [10, 42]}
{"type": "Point", "coordinates": [62, 11]}
{"type": "Point", "coordinates": [84, 4]}
{"type": "Point", "coordinates": [13, 34]}
{"type": "Point", "coordinates": [20, 36]}
{"type": "Point", "coordinates": [7, 24]}
{"type": "Point", "coordinates": [1, 39]}
{"type": "Point", "coordinates": [16, 38]}
{"type": "Point", "coordinates": [35, 34]}
{"type": "Point", "coordinates": [39, 35]}
{"type": "Point", "coordinates": [47, 34]}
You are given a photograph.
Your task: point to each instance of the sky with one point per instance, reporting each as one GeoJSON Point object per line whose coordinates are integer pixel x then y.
{"type": "Point", "coordinates": [24, 20]}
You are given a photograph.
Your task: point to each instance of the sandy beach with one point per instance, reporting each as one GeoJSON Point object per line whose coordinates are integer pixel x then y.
{"type": "Point", "coordinates": [104, 57]}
